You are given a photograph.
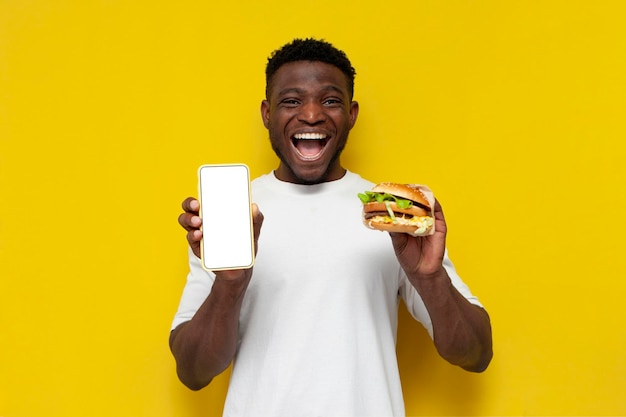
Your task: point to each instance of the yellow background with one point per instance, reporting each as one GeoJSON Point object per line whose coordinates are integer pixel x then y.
{"type": "Point", "coordinates": [513, 112]}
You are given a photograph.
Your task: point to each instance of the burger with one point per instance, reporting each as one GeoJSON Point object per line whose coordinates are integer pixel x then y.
{"type": "Point", "coordinates": [400, 208]}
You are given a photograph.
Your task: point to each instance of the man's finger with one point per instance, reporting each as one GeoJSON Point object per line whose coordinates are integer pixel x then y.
{"type": "Point", "coordinates": [194, 237]}
{"type": "Point", "coordinates": [189, 221]}
{"type": "Point", "coordinates": [191, 205]}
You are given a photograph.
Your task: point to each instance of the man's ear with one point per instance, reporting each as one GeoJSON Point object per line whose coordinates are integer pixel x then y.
{"type": "Point", "coordinates": [354, 112]}
{"type": "Point", "coordinates": [265, 113]}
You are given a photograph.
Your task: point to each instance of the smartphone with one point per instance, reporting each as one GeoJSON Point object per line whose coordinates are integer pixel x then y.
{"type": "Point", "coordinates": [226, 212]}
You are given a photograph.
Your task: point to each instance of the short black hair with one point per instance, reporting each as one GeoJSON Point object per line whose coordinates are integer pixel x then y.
{"type": "Point", "coordinates": [309, 49]}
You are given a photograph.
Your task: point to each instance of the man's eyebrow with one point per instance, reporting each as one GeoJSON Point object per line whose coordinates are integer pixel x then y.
{"type": "Point", "coordinates": [297, 90]}
{"type": "Point", "coordinates": [290, 90]}
{"type": "Point", "coordinates": [332, 87]}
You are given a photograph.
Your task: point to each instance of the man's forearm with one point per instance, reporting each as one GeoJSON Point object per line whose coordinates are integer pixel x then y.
{"type": "Point", "coordinates": [204, 346]}
{"type": "Point", "coordinates": [462, 331]}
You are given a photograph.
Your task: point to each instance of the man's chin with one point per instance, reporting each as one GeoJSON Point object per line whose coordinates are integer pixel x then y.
{"type": "Point", "coordinates": [309, 178]}
{"type": "Point", "coordinates": [311, 181]}
{"type": "Point", "coordinates": [303, 176]}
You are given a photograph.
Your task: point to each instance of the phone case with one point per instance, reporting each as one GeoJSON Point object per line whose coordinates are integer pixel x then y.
{"type": "Point", "coordinates": [226, 212]}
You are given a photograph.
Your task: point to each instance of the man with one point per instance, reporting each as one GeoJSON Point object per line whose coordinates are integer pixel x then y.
{"type": "Point", "coordinates": [311, 328]}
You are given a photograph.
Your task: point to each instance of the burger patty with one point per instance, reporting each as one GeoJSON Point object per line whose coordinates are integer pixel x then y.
{"type": "Point", "coordinates": [386, 213]}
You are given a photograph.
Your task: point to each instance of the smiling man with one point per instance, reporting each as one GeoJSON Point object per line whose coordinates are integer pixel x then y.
{"type": "Point", "coordinates": [309, 112]}
{"type": "Point", "coordinates": [311, 329]}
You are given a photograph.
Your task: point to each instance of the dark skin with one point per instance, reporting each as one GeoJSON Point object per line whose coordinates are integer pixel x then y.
{"type": "Point", "coordinates": [313, 99]}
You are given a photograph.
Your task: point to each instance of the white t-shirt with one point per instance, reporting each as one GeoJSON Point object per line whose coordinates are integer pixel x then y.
{"type": "Point", "coordinates": [318, 323]}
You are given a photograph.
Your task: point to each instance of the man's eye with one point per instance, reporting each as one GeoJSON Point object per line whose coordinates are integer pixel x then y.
{"type": "Point", "coordinates": [290, 102]}
{"type": "Point", "coordinates": [332, 102]}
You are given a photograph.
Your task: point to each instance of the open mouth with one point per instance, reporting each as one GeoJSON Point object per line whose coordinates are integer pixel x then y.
{"type": "Point", "coordinates": [309, 145]}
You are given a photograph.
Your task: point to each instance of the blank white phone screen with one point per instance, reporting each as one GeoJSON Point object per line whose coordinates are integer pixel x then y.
{"type": "Point", "coordinates": [228, 241]}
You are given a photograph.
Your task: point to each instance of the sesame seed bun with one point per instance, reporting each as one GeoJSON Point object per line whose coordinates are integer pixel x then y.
{"type": "Point", "coordinates": [408, 191]}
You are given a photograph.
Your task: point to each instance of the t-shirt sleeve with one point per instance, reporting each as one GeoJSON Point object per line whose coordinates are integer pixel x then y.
{"type": "Point", "coordinates": [197, 289]}
{"type": "Point", "coordinates": [414, 302]}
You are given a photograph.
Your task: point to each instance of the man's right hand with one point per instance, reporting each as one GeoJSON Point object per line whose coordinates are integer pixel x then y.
{"type": "Point", "coordinates": [190, 221]}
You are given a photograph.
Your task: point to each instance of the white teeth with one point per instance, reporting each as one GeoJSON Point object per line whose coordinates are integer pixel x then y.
{"type": "Point", "coordinates": [310, 136]}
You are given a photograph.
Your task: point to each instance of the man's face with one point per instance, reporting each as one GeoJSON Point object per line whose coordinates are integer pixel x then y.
{"type": "Point", "coordinates": [309, 113]}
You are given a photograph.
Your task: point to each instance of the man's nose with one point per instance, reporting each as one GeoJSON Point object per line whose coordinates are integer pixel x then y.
{"type": "Point", "coordinates": [312, 113]}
